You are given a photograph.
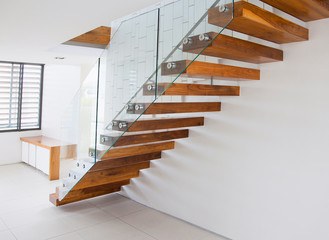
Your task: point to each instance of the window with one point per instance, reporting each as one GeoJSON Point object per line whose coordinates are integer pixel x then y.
{"type": "Point", "coordinates": [20, 96]}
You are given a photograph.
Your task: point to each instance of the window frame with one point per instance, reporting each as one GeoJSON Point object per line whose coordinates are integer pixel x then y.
{"type": "Point", "coordinates": [20, 99]}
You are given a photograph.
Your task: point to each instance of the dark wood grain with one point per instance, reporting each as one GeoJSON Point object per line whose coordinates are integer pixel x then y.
{"type": "Point", "coordinates": [207, 70]}
{"type": "Point", "coordinates": [119, 162]}
{"type": "Point", "coordinates": [185, 107]}
{"type": "Point", "coordinates": [87, 193]}
{"type": "Point", "coordinates": [132, 139]}
{"type": "Point", "coordinates": [232, 48]}
{"type": "Point", "coordinates": [100, 35]}
{"type": "Point", "coordinates": [306, 10]}
{"type": "Point", "coordinates": [111, 175]}
{"type": "Point", "coordinates": [255, 21]}
{"type": "Point", "coordinates": [183, 89]}
{"type": "Point", "coordinates": [145, 125]}
{"type": "Point", "coordinates": [117, 152]}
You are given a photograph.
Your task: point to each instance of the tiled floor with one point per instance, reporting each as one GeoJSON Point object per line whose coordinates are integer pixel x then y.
{"type": "Point", "coordinates": [26, 214]}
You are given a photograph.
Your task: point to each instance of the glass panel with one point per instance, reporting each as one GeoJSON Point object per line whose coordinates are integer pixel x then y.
{"type": "Point", "coordinates": [176, 23]}
{"type": "Point", "coordinates": [131, 61]}
{"type": "Point", "coordinates": [187, 37]}
{"type": "Point", "coordinates": [78, 134]}
{"type": "Point", "coordinates": [130, 76]}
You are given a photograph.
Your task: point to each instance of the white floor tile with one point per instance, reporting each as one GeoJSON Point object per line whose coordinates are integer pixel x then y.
{"type": "Point", "coordinates": [163, 227]}
{"type": "Point", "coordinates": [7, 235]}
{"type": "Point", "coordinates": [42, 230]}
{"type": "Point", "coordinates": [43, 213]}
{"type": "Point", "coordinates": [69, 236]}
{"type": "Point", "coordinates": [18, 204]}
{"type": "Point", "coordinates": [3, 227]}
{"type": "Point", "coordinates": [116, 230]}
{"type": "Point", "coordinates": [106, 199]}
{"type": "Point", "coordinates": [84, 220]}
{"type": "Point", "coordinates": [27, 214]}
{"type": "Point", "coordinates": [122, 207]}
{"type": "Point", "coordinates": [212, 236]}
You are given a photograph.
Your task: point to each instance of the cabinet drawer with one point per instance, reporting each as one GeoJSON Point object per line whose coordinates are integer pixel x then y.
{"type": "Point", "coordinates": [32, 153]}
{"type": "Point", "coordinates": [25, 152]}
{"type": "Point", "coordinates": [42, 159]}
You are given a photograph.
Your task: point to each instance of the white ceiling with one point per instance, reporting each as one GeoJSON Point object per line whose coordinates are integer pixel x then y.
{"type": "Point", "coordinates": [32, 30]}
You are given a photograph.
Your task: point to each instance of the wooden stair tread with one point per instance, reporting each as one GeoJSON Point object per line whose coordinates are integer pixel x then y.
{"type": "Point", "coordinates": [255, 21]}
{"type": "Point", "coordinates": [306, 10]}
{"type": "Point", "coordinates": [111, 175]}
{"type": "Point", "coordinates": [119, 162]}
{"type": "Point", "coordinates": [198, 69]}
{"type": "Point", "coordinates": [117, 152]}
{"type": "Point", "coordinates": [227, 47]}
{"type": "Point", "coordinates": [183, 107]}
{"type": "Point", "coordinates": [97, 38]}
{"type": "Point", "coordinates": [133, 139]}
{"type": "Point", "coordinates": [86, 193]}
{"type": "Point", "coordinates": [145, 125]}
{"type": "Point", "coordinates": [185, 89]}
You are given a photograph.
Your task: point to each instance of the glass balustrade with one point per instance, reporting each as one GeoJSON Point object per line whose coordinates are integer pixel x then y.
{"type": "Point", "coordinates": [146, 55]}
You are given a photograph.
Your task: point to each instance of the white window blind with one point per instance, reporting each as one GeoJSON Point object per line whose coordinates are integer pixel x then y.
{"type": "Point", "coordinates": [20, 96]}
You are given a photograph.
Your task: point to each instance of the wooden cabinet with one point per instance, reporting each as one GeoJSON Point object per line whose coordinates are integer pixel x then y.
{"type": "Point", "coordinates": [44, 154]}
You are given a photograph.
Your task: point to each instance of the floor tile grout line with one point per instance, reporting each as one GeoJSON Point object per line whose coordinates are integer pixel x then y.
{"type": "Point", "coordinates": [75, 230]}
{"type": "Point", "coordinates": [43, 187]}
{"type": "Point", "coordinates": [138, 229]}
{"type": "Point", "coordinates": [179, 219]}
{"type": "Point", "coordinates": [79, 229]}
{"type": "Point", "coordinates": [101, 208]}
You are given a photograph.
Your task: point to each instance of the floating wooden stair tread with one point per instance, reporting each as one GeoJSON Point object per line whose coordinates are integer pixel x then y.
{"type": "Point", "coordinates": [117, 152]}
{"type": "Point", "coordinates": [119, 162]}
{"type": "Point", "coordinates": [257, 22]}
{"type": "Point", "coordinates": [306, 10]}
{"type": "Point", "coordinates": [184, 89]}
{"type": "Point", "coordinates": [86, 193]}
{"type": "Point", "coordinates": [146, 125]}
{"type": "Point", "coordinates": [133, 139]}
{"type": "Point", "coordinates": [208, 70]}
{"type": "Point", "coordinates": [224, 46]}
{"type": "Point", "coordinates": [112, 175]}
{"type": "Point", "coordinates": [184, 107]}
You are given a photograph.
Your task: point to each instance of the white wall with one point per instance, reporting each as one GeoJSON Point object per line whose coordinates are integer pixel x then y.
{"type": "Point", "coordinates": [10, 146]}
{"type": "Point", "coordinates": [259, 169]}
{"type": "Point", "coordinates": [60, 86]}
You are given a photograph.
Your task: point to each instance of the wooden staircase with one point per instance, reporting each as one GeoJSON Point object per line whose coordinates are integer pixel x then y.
{"type": "Point", "coordinates": [147, 138]}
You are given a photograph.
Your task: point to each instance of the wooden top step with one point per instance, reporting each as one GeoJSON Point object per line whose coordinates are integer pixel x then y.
{"type": "Point", "coordinates": [306, 10]}
{"type": "Point", "coordinates": [257, 22]}
{"type": "Point", "coordinates": [185, 89]}
{"type": "Point", "coordinates": [208, 70]}
{"type": "Point", "coordinates": [224, 46]}
{"type": "Point", "coordinates": [96, 38]}
{"type": "Point", "coordinates": [118, 152]}
{"type": "Point", "coordinates": [146, 125]}
{"type": "Point", "coordinates": [133, 139]}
